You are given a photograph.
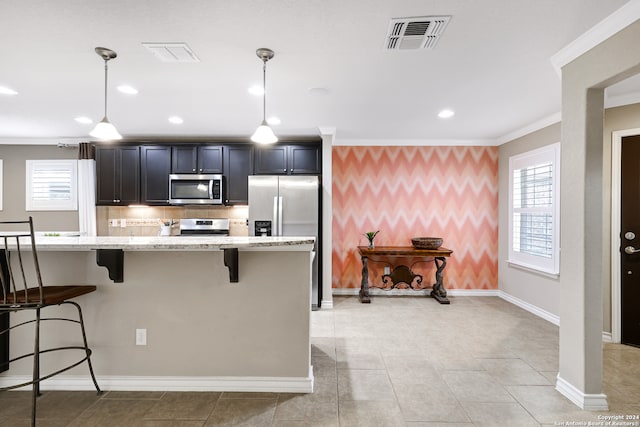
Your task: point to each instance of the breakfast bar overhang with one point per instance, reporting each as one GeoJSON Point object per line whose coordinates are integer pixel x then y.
{"type": "Point", "coordinates": [206, 329]}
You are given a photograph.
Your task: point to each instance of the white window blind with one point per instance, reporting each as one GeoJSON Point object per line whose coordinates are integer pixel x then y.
{"type": "Point", "coordinates": [534, 209]}
{"type": "Point", "coordinates": [51, 185]}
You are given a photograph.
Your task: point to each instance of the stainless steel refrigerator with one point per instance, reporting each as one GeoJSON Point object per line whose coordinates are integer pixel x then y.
{"type": "Point", "coordinates": [281, 205]}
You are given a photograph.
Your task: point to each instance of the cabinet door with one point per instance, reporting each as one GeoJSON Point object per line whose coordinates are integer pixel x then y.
{"type": "Point", "coordinates": [271, 160]}
{"type": "Point", "coordinates": [129, 173]}
{"type": "Point", "coordinates": [155, 167]}
{"type": "Point", "coordinates": [304, 159]}
{"type": "Point", "coordinates": [106, 193]}
{"type": "Point", "coordinates": [184, 159]}
{"type": "Point", "coordinates": [238, 165]}
{"type": "Point", "coordinates": [210, 159]}
{"type": "Point", "coordinates": [118, 175]}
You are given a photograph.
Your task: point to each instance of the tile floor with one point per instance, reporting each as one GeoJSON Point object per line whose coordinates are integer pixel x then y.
{"type": "Point", "coordinates": [400, 361]}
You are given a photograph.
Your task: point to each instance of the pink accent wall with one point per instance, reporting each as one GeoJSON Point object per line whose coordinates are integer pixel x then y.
{"type": "Point", "coordinates": [405, 192]}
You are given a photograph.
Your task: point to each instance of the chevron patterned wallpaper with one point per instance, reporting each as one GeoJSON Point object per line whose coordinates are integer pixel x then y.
{"type": "Point", "coordinates": [448, 192]}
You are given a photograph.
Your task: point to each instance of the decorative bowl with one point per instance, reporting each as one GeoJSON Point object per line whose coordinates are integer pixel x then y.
{"type": "Point", "coordinates": [426, 242]}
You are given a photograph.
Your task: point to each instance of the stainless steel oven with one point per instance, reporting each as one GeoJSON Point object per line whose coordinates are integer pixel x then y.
{"type": "Point", "coordinates": [194, 189]}
{"type": "Point", "coordinates": [204, 227]}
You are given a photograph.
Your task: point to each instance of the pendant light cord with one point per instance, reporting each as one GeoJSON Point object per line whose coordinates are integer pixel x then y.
{"type": "Point", "coordinates": [106, 70]}
{"type": "Point", "coordinates": [264, 90]}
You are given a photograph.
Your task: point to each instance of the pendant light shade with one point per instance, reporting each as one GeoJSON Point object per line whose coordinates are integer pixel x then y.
{"type": "Point", "coordinates": [104, 130]}
{"type": "Point", "coordinates": [264, 134]}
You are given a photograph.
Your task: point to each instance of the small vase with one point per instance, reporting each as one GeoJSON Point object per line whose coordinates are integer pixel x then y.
{"type": "Point", "coordinates": [371, 245]}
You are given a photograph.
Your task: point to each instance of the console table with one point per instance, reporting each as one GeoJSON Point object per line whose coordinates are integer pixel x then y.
{"type": "Point", "coordinates": [402, 273]}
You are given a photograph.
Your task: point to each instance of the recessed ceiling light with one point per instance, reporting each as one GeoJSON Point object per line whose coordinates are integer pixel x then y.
{"type": "Point", "coordinates": [176, 120]}
{"type": "Point", "coordinates": [445, 114]}
{"type": "Point", "coordinates": [273, 121]}
{"type": "Point", "coordinates": [256, 90]}
{"type": "Point", "coordinates": [7, 91]}
{"type": "Point", "coordinates": [83, 120]}
{"type": "Point", "coordinates": [129, 90]}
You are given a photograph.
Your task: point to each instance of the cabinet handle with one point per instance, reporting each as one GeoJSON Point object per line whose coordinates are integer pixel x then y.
{"type": "Point", "coordinates": [200, 170]}
{"type": "Point", "coordinates": [193, 170]}
{"type": "Point", "coordinates": [285, 169]}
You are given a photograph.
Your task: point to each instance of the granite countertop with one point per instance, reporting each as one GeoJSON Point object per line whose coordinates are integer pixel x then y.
{"type": "Point", "coordinates": [178, 243]}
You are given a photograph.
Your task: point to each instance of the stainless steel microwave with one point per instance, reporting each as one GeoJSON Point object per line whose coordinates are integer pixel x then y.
{"type": "Point", "coordinates": [194, 189]}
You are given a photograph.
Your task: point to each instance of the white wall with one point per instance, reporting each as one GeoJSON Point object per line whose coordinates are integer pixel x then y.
{"type": "Point", "coordinates": [533, 288]}
{"type": "Point", "coordinates": [13, 206]}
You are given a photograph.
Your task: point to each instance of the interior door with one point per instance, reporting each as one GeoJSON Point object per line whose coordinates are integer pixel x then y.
{"type": "Point", "coordinates": [630, 241]}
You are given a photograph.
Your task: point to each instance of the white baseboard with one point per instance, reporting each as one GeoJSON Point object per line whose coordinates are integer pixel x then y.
{"type": "Point", "coordinates": [326, 304]}
{"type": "Point", "coordinates": [417, 293]}
{"type": "Point", "coordinates": [139, 383]}
{"type": "Point", "coordinates": [588, 402]}
{"type": "Point", "coordinates": [607, 337]}
{"type": "Point", "coordinates": [550, 317]}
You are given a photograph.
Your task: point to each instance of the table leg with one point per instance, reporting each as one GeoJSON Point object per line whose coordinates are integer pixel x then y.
{"type": "Point", "coordinates": [364, 285]}
{"type": "Point", "coordinates": [439, 292]}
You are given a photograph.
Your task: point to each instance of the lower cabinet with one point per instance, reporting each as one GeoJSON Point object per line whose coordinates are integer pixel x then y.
{"type": "Point", "coordinates": [155, 166]}
{"type": "Point", "coordinates": [238, 165]}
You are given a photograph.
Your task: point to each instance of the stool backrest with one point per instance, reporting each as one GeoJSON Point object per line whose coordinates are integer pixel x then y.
{"type": "Point", "coordinates": [18, 275]}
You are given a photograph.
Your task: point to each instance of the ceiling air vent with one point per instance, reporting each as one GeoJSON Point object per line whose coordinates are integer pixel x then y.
{"type": "Point", "coordinates": [422, 32]}
{"type": "Point", "coordinates": [172, 52]}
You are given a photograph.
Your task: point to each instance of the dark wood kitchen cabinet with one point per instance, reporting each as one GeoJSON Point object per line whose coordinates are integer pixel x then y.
{"type": "Point", "coordinates": [196, 159]}
{"type": "Point", "coordinates": [303, 159]}
{"type": "Point", "coordinates": [238, 165]}
{"type": "Point", "coordinates": [118, 175]}
{"type": "Point", "coordinates": [155, 167]}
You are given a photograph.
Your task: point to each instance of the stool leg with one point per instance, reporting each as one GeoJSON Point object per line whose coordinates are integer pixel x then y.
{"type": "Point", "coordinates": [86, 346]}
{"type": "Point", "coordinates": [35, 387]}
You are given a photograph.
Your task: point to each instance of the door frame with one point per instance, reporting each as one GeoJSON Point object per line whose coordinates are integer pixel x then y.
{"type": "Point", "coordinates": [616, 187]}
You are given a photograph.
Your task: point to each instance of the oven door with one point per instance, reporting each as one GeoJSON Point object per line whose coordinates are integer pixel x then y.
{"type": "Point", "coordinates": [186, 189]}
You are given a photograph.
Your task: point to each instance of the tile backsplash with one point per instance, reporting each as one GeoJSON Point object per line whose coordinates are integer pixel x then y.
{"type": "Point", "coordinates": [145, 221]}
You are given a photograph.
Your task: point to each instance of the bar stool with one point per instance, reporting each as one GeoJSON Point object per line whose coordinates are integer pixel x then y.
{"type": "Point", "coordinates": [22, 290]}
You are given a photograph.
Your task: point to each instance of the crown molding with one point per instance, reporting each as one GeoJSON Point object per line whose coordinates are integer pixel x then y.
{"type": "Point", "coordinates": [618, 20]}
{"type": "Point", "coordinates": [540, 124]}
{"type": "Point", "coordinates": [415, 142]}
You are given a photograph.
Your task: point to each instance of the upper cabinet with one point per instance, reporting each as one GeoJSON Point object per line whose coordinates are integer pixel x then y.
{"type": "Point", "coordinates": [238, 165]}
{"type": "Point", "coordinates": [303, 159]}
{"type": "Point", "coordinates": [196, 159]}
{"type": "Point", "coordinates": [155, 167]}
{"type": "Point", "coordinates": [118, 172]}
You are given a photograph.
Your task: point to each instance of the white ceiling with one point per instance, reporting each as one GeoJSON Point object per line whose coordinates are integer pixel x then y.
{"type": "Point", "coordinates": [492, 66]}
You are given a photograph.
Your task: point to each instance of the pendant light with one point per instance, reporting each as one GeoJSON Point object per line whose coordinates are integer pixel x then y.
{"type": "Point", "coordinates": [104, 130]}
{"type": "Point", "coordinates": [264, 134]}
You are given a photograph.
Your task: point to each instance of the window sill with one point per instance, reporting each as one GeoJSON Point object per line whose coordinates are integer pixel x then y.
{"type": "Point", "coordinates": [532, 269]}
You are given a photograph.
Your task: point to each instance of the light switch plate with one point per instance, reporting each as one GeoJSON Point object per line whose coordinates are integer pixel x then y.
{"type": "Point", "coordinates": [141, 337]}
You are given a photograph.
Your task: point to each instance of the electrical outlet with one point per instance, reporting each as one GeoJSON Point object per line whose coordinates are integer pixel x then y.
{"type": "Point", "coordinates": [123, 223]}
{"type": "Point", "coordinates": [387, 270]}
{"type": "Point", "coordinates": [141, 337]}
{"type": "Point", "coordinates": [115, 222]}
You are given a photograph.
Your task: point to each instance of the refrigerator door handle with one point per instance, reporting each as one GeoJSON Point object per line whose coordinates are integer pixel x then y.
{"type": "Point", "coordinates": [280, 216]}
{"type": "Point", "coordinates": [274, 231]}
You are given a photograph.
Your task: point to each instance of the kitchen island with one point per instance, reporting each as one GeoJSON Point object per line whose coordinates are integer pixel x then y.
{"type": "Point", "coordinates": [204, 328]}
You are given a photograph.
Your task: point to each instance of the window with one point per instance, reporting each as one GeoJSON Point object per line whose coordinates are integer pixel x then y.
{"type": "Point", "coordinates": [534, 209]}
{"type": "Point", "coordinates": [52, 185]}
